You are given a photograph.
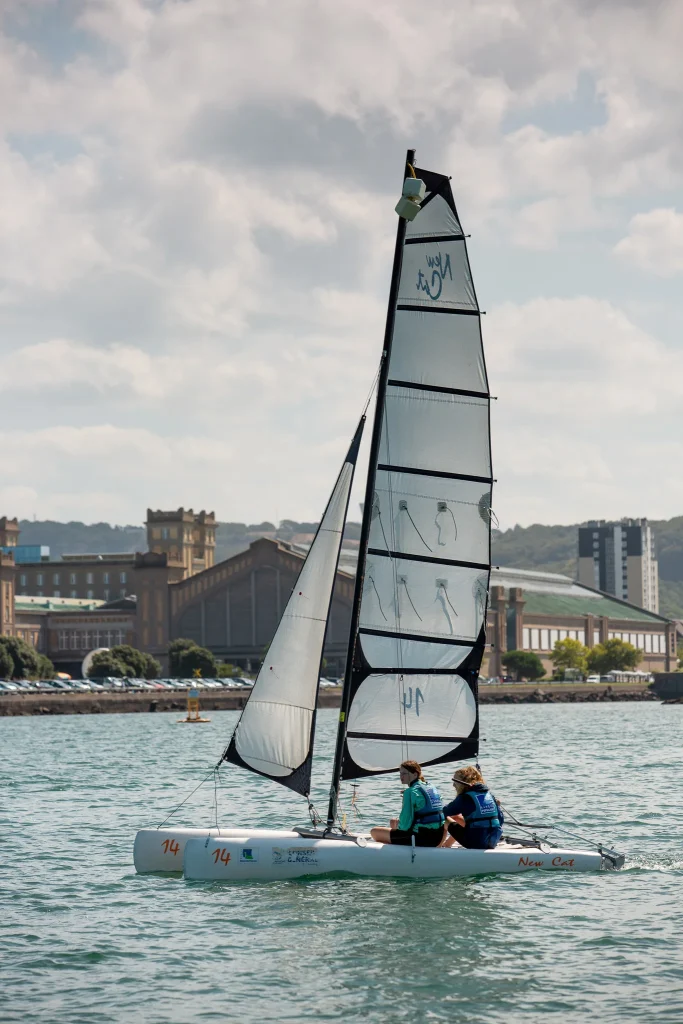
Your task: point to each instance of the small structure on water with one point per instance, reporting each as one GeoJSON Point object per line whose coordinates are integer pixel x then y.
{"type": "Point", "coordinates": [193, 713]}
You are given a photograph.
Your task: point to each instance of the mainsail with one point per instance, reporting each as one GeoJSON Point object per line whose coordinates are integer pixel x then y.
{"type": "Point", "coordinates": [419, 628]}
{"type": "Point", "coordinates": [274, 735]}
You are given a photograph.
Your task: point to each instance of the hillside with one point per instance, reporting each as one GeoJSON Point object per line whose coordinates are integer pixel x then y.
{"type": "Point", "coordinates": [76, 538]}
{"type": "Point", "coordinates": [552, 548]}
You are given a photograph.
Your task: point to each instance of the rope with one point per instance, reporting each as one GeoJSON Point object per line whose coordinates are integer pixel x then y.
{"type": "Point", "coordinates": [313, 814]}
{"type": "Point", "coordinates": [379, 600]}
{"type": "Point", "coordinates": [442, 586]}
{"type": "Point", "coordinates": [403, 507]}
{"type": "Point", "coordinates": [381, 525]}
{"type": "Point", "coordinates": [443, 506]}
{"type": "Point", "coordinates": [402, 579]}
{"type": "Point", "coordinates": [182, 804]}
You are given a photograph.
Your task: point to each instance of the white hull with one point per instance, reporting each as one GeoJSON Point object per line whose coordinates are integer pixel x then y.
{"type": "Point", "coordinates": [163, 849]}
{"type": "Point", "coordinates": [269, 854]}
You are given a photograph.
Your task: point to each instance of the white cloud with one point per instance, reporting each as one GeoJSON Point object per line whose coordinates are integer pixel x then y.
{"type": "Point", "coordinates": [654, 242]}
{"type": "Point", "coordinates": [196, 227]}
{"type": "Point", "coordinates": [585, 399]}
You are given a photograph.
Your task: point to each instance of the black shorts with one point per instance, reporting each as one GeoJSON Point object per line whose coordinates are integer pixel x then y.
{"type": "Point", "coordinates": [473, 838]}
{"type": "Point", "coordinates": [423, 837]}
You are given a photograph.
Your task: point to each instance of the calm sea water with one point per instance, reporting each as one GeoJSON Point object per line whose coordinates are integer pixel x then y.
{"type": "Point", "coordinates": [83, 939]}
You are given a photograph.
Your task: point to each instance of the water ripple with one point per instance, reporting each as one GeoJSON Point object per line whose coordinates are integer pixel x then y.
{"type": "Point", "coordinates": [85, 939]}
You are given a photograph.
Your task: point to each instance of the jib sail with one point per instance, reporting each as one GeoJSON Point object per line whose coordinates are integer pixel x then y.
{"type": "Point", "coordinates": [274, 736]}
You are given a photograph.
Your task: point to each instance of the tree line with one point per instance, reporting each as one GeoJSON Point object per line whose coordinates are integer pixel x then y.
{"type": "Point", "coordinates": [186, 660]}
{"type": "Point", "coordinates": [611, 656]}
{"type": "Point", "coordinates": [18, 660]}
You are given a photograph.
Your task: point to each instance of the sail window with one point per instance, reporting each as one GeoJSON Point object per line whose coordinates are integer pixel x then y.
{"type": "Point", "coordinates": [449, 353]}
{"type": "Point", "coordinates": [397, 716]}
{"type": "Point", "coordinates": [424, 515]}
{"type": "Point", "coordinates": [443, 433]}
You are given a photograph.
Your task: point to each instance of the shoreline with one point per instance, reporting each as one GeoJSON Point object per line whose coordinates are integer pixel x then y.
{"type": "Point", "coordinates": [28, 704]}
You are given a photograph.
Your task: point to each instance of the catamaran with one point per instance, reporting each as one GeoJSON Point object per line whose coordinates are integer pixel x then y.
{"type": "Point", "coordinates": [418, 622]}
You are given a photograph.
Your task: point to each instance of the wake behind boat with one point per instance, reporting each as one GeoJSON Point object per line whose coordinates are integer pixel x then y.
{"type": "Point", "coordinates": [418, 623]}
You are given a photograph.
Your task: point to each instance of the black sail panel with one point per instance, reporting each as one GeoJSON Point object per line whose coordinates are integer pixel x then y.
{"type": "Point", "coordinates": [420, 631]}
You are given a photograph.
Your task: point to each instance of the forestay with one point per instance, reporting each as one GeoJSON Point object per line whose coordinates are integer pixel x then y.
{"type": "Point", "coordinates": [418, 642]}
{"type": "Point", "coordinates": [274, 736]}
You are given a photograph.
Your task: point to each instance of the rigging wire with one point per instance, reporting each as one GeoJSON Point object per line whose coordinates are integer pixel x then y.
{"type": "Point", "coordinates": [530, 828]}
{"type": "Point", "coordinates": [373, 386]}
{"type": "Point", "coordinates": [313, 814]}
{"type": "Point", "coordinates": [190, 795]}
{"type": "Point", "coordinates": [215, 795]}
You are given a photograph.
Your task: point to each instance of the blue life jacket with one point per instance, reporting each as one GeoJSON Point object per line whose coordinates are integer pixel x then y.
{"type": "Point", "coordinates": [432, 812]}
{"type": "Point", "coordinates": [484, 813]}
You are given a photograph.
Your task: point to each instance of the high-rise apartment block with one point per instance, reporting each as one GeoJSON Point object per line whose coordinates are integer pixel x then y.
{"type": "Point", "coordinates": [619, 559]}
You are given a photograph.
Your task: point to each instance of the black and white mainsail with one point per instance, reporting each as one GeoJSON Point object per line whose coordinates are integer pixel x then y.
{"type": "Point", "coordinates": [419, 626]}
{"type": "Point", "coordinates": [274, 735]}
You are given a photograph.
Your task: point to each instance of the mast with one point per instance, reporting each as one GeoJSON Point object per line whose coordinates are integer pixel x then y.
{"type": "Point", "coordinates": [367, 507]}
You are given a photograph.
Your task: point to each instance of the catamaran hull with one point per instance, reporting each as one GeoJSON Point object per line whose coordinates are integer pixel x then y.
{"type": "Point", "coordinates": [253, 856]}
{"type": "Point", "coordinates": [163, 849]}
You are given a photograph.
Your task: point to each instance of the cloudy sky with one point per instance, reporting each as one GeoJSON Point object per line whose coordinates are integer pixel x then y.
{"type": "Point", "coordinates": [196, 231]}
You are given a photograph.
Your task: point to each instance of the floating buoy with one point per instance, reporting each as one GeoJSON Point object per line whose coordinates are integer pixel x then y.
{"type": "Point", "coordinates": [193, 714]}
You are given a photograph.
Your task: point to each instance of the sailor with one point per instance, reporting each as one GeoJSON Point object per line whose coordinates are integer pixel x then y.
{"type": "Point", "coordinates": [422, 818]}
{"type": "Point", "coordinates": [474, 818]}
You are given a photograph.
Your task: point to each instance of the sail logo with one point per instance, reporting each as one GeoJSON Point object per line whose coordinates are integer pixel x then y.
{"type": "Point", "coordinates": [431, 283]}
{"type": "Point", "coordinates": [249, 855]}
{"type": "Point", "coordinates": [408, 702]}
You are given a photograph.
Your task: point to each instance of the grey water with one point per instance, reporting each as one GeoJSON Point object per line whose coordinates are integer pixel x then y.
{"type": "Point", "coordinates": [84, 939]}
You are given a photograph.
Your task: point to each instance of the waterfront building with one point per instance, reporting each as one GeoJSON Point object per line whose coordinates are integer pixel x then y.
{"type": "Point", "coordinates": [188, 538]}
{"type": "Point", "coordinates": [173, 590]}
{"type": "Point", "coordinates": [232, 608]}
{"type": "Point", "coordinates": [184, 536]}
{"type": "Point", "coordinates": [620, 559]}
{"type": "Point", "coordinates": [532, 610]}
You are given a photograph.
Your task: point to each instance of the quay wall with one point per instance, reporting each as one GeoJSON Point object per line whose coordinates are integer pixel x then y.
{"type": "Point", "coordinates": [116, 703]}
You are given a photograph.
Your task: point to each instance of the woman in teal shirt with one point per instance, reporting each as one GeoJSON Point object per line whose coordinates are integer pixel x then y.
{"type": "Point", "coordinates": [421, 819]}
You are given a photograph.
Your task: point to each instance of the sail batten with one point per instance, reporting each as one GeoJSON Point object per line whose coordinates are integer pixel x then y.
{"type": "Point", "coordinates": [425, 549]}
{"type": "Point", "coordinates": [274, 735]}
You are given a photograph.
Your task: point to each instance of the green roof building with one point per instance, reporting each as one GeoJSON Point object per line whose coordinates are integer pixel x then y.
{"type": "Point", "coordinates": [531, 610]}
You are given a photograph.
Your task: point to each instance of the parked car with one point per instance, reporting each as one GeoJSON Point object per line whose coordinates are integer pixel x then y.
{"type": "Point", "coordinates": [8, 687]}
{"type": "Point", "coordinates": [593, 679]}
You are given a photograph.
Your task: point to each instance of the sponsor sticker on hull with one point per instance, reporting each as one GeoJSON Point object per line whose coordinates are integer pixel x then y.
{"type": "Point", "coordinates": [294, 855]}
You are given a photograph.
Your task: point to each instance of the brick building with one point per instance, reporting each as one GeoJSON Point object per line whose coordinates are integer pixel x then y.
{"type": "Point", "coordinates": [175, 590]}
{"type": "Point", "coordinates": [532, 610]}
